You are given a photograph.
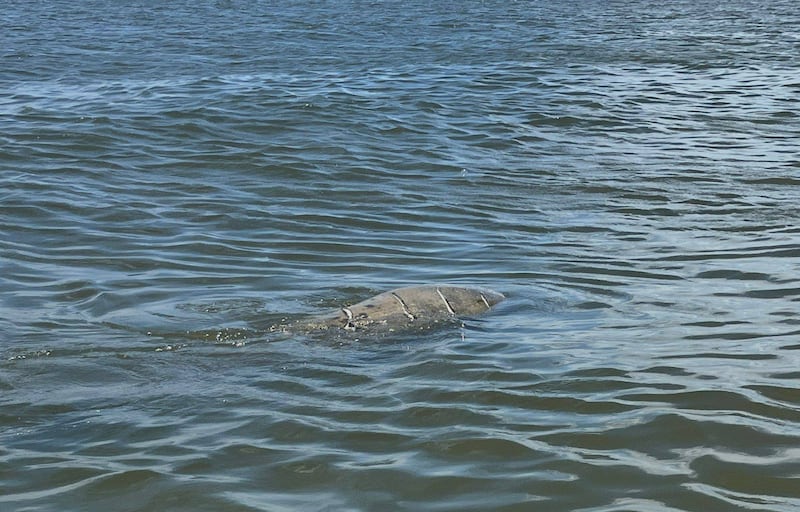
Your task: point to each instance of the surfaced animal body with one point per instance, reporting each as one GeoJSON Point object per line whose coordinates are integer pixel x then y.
{"type": "Point", "coordinates": [407, 309]}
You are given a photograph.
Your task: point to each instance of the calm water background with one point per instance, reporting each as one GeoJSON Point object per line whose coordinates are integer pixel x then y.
{"type": "Point", "coordinates": [174, 176]}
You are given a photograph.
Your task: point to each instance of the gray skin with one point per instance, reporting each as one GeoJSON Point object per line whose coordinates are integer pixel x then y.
{"type": "Point", "coordinates": [407, 309]}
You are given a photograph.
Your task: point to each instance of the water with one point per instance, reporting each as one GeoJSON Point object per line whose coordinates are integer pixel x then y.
{"type": "Point", "coordinates": [174, 177]}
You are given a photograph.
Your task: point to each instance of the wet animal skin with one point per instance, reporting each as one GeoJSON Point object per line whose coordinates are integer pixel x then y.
{"type": "Point", "coordinates": [410, 308]}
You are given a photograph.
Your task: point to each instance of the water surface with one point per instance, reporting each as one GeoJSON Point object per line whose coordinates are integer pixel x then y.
{"type": "Point", "coordinates": [175, 178]}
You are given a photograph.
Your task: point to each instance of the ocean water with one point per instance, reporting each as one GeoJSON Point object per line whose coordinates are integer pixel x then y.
{"type": "Point", "coordinates": [177, 177]}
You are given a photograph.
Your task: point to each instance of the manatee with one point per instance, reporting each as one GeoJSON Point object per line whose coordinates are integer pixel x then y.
{"type": "Point", "coordinates": [406, 309]}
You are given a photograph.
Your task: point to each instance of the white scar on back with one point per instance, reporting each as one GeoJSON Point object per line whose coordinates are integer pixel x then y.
{"type": "Point", "coordinates": [446, 304]}
{"type": "Point", "coordinates": [403, 306]}
{"type": "Point", "coordinates": [349, 324]}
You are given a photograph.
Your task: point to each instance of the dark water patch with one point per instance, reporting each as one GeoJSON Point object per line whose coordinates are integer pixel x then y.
{"type": "Point", "coordinates": [740, 477]}
{"type": "Point", "coordinates": [712, 355]}
{"type": "Point", "coordinates": [778, 393]}
{"type": "Point", "coordinates": [730, 402]}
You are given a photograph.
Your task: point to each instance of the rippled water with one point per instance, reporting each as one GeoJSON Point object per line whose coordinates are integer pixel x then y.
{"type": "Point", "coordinates": [175, 177]}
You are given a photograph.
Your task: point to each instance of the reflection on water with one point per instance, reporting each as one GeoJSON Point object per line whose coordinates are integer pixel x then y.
{"type": "Point", "coordinates": [174, 181]}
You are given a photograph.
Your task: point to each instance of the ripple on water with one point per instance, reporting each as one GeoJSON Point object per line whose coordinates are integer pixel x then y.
{"type": "Point", "coordinates": [190, 175]}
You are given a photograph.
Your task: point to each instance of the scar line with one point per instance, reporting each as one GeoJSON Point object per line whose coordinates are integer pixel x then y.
{"type": "Point", "coordinates": [447, 304]}
{"type": "Point", "coordinates": [349, 324]}
{"type": "Point", "coordinates": [404, 307]}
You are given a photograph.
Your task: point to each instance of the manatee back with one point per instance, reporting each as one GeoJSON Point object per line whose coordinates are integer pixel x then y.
{"type": "Point", "coordinates": [410, 308]}
{"type": "Point", "coordinates": [456, 301]}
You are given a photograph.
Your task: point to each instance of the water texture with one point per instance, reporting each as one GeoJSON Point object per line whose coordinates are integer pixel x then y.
{"type": "Point", "coordinates": [176, 177]}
